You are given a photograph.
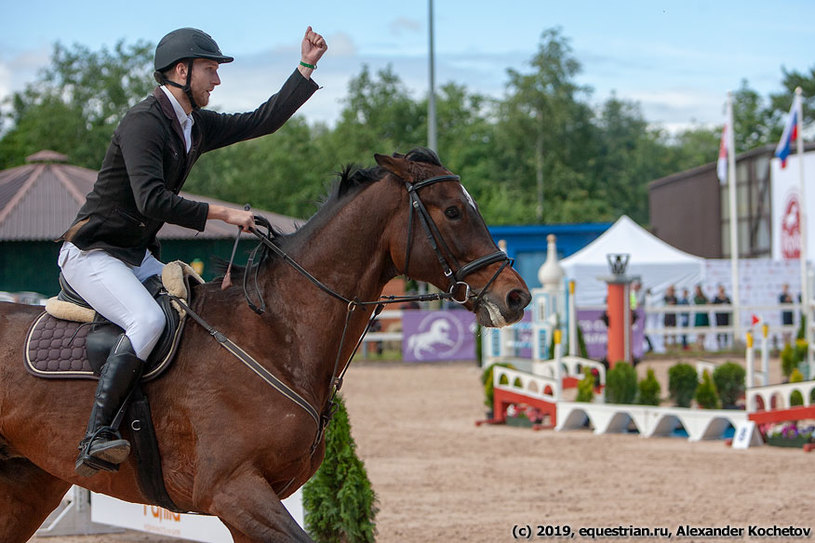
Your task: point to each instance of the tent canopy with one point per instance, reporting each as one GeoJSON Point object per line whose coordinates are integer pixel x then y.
{"type": "Point", "coordinates": [657, 263]}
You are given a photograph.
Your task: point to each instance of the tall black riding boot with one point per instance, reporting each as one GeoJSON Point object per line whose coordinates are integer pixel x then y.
{"type": "Point", "coordinates": [103, 447]}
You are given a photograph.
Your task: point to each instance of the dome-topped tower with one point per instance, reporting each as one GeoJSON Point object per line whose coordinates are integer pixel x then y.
{"type": "Point", "coordinates": [551, 273]}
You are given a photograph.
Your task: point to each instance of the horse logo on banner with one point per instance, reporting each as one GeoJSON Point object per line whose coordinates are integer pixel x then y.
{"type": "Point", "coordinates": [440, 335]}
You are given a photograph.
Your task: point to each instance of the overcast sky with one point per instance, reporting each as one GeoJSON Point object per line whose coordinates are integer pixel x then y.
{"type": "Point", "coordinates": [677, 59]}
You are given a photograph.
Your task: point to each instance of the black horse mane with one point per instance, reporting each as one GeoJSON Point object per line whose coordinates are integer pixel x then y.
{"type": "Point", "coordinates": [349, 182]}
{"type": "Point", "coordinates": [351, 178]}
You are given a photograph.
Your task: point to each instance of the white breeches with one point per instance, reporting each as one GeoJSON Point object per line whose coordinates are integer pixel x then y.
{"type": "Point", "coordinates": [114, 289]}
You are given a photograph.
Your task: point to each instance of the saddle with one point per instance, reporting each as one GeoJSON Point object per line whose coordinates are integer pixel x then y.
{"type": "Point", "coordinates": [70, 340]}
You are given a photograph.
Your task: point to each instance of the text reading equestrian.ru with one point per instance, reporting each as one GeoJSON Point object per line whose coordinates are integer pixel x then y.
{"type": "Point", "coordinates": [697, 533]}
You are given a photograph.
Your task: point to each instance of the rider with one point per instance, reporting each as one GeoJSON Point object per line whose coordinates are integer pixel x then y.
{"type": "Point", "coordinates": [111, 247]}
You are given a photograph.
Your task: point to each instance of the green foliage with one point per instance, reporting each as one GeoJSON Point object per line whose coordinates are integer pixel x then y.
{"type": "Point", "coordinates": [77, 103]}
{"type": "Point", "coordinates": [487, 381]}
{"type": "Point", "coordinates": [339, 502]}
{"type": "Point", "coordinates": [706, 395]}
{"type": "Point", "coordinates": [682, 383]}
{"type": "Point", "coordinates": [792, 355]}
{"type": "Point", "coordinates": [796, 398]}
{"type": "Point", "coordinates": [544, 152]}
{"type": "Point", "coordinates": [729, 381]}
{"type": "Point", "coordinates": [585, 387]}
{"type": "Point", "coordinates": [621, 383]}
{"type": "Point", "coordinates": [649, 389]}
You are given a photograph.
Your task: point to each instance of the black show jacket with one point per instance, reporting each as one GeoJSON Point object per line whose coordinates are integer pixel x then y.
{"type": "Point", "coordinates": [146, 165]}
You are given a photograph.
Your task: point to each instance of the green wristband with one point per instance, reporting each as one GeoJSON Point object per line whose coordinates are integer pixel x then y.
{"type": "Point", "coordinates": [307, 65]}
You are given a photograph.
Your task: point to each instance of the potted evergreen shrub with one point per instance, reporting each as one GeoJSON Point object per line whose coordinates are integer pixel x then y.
{"type": "Point", "coordinates": [706, 395]}
{"type": "Point", "coordinates": [729, 381]}
{"type": "Point", "coordinates": [621, 384]}
{"type": "Point", "coordinates": [796, 398]}
{"type": "Point", "coordinates": [649, 389]}
{"type": "Point", "coordinates": [339, 502]}
{"type": "Point", "coordinates": [682, 383]}
{"type": "Point", "coordinates": [487, 381]}
{"type": "Point", "coordinates": [585, 387]}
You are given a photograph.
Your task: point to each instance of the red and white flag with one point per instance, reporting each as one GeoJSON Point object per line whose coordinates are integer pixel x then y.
{"type": "Point", "coordinates": [721, 165]}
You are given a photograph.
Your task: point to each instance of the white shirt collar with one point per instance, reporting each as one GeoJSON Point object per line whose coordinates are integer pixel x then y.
{"type": "Point", "coordinates": [185, 120]}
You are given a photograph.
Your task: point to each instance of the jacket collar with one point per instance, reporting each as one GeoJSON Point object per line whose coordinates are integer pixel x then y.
{"type": "Point", "coordinates": [168, 111]}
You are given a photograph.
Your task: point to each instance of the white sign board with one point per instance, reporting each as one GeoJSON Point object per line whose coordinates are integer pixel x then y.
{"type": "Point", "coordinates": [787, 206]}
{"type": "Point", "coordinates": [156, 520]}
{"type": "Point", "coordinates": [746, 435]}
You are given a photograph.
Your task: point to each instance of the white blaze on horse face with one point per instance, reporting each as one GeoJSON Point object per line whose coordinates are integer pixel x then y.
{"type": "Point", "coordinates": [469, 198]}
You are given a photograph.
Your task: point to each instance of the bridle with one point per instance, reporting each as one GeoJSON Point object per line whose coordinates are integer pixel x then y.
{"type": "Point", "coordinates": [453, 271]}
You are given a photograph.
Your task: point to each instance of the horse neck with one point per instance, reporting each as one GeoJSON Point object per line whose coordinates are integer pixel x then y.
{"type": "Point", "coordinates": [346, 252]}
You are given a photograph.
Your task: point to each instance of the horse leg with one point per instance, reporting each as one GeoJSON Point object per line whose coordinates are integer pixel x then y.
{"type": "Point", "coordinates": [253, 512]}
{"type": "Point", "coordinates": [27, 495]}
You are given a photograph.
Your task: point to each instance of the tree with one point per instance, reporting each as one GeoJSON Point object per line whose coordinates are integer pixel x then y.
{"type": "Point", "coordinates": [543, 127]}
{"type": "Point", "coordinates": [77, 102]}
{"type": "Point", "coordinates": [625, 161]}
{"type": "Point", "coordinates": [780, 102]}
{"type": "Point", "coordinates": [286, 173]}
{"type": "Point", "coordinates": [379, 116]}
{"type": "Point", "coordinates": [752, 119]}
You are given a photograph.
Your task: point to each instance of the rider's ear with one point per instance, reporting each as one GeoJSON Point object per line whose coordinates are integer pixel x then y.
{"type": "Point", "coordinates": [396, 165]}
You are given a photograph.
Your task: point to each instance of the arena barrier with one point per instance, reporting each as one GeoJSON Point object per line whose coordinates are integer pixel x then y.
{"type": "Point", "coordinates": [156, 520]}
{"type": "Point", "coordinates": [84, 513]}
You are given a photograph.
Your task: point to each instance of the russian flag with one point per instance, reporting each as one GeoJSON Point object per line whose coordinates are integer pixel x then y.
{"type": "Point", "coordinates": [790, 134]}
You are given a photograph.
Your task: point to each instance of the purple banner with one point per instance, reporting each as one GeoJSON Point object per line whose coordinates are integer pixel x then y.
{"type": "Point", "coordinates": [438, 335]}
{"type": "Point", "coordinates": [595, 333]}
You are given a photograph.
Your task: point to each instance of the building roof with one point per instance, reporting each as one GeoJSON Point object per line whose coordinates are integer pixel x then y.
{"type": "Point", "coordinates": [38, 201]}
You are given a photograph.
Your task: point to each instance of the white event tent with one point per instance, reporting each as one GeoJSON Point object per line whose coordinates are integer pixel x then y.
{"type": "Point", "coordinates": [657, 263]}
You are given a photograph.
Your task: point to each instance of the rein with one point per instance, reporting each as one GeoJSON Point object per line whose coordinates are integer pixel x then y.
{"type": "Point", "coordinates": [455, 279]}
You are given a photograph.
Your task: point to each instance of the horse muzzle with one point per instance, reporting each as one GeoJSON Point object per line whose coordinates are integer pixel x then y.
{"type": "Point", "coordinates": [496, 309]}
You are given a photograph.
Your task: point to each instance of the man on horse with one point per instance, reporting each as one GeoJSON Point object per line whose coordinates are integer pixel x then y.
{"type": "Point", "coordinates": [111, 247]}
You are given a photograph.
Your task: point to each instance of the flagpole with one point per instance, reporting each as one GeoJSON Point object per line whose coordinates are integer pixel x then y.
{"type": "Point", "coordinates": [734, 245]}
{"type": "Point", "coordinates": [802, 210]}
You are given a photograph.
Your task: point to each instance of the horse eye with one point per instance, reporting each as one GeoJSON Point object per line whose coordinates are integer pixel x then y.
{"type": "Point", "coordinates": [452, 212]}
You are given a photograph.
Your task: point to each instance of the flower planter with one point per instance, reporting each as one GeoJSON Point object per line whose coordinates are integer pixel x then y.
{"type": "Point", "coordinates": [521, 422]}
{"type": "Point", "coordinates": [794, 442]}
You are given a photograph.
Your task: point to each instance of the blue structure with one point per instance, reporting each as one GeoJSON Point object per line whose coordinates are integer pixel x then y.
{"type": "Point", "coordinates": [527, 244]}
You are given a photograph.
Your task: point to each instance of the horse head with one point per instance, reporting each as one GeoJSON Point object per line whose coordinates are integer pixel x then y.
{"type": "Point", "coordinates": [440, 237]}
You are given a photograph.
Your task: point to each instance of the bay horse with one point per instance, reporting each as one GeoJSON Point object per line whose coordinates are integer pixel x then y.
{"type": "Point", "coordinates": [232, 446]}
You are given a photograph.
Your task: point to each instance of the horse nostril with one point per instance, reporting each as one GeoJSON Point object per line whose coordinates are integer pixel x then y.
{"type": "Point", "coordinates": [517, 299]}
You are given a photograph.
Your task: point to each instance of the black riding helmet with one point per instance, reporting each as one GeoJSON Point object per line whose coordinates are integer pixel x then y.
{"type": "Point", "coordinates": [185, 44]}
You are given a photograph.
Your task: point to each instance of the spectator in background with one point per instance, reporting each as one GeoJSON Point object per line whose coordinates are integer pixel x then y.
{"type": "Point", "coordinates": [786, 316]}
{"type": "Point", "coordinates": [684, 318]}
{"type": "Point", "coordinates": [722, 318]}
{"type": "Point", "coordinates": [669, 319]}
{"type": "Point", "coordinates": [652, 301]}
{"type": "Point", "coordinates": [701, 319]}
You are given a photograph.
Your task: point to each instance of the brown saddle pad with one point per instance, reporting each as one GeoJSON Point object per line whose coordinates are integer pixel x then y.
{"type": "Point", "coordinates": [55, 349]}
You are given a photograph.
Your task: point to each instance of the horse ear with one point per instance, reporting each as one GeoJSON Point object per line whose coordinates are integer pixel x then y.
{"type": "Point", "coordinates": [396, 165]}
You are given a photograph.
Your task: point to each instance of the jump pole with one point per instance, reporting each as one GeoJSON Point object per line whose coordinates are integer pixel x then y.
{"type": "Point", "coordinates": [572, 321]}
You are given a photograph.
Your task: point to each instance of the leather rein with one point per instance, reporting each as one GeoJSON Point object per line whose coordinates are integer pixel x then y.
{"type": "Point", "coordinates": [454, 273]}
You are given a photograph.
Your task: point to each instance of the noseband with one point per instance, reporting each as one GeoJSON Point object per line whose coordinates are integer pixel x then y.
{"type": "Point", "coordinates": [453, 271]}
